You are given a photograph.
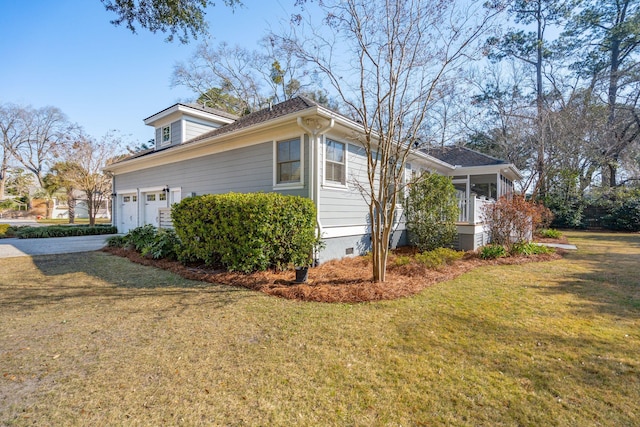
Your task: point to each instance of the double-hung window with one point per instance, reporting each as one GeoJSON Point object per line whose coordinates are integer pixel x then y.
{"type": "Point", "coordinates": [288, 161]}
{"type": "Point", "coordinates": [166, 135]}
{"type": "Point", "coordinates": [335, 163]}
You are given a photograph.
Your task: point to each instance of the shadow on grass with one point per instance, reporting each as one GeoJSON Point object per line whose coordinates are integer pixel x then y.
{"type": "Point", "coordinates": [609, 282]}
{"type": "Point", "coordinates": [90, 276]}
{"type": "Point", "coordinates": [630, 239]}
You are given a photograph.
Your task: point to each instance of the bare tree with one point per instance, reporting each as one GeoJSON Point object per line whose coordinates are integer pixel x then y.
{"type": "Point", "coordinates": [44, 133]}
{"type": "Point", "coordinates": [83, 169]}
{"type": "Point", "coordinates": [386, 61]}
{"type": "Point", "coordinates": [239, 80]}
{"type": "Point", "coordinates": [11, 118]}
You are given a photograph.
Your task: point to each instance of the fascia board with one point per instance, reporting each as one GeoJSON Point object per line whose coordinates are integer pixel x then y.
{"type": "Point", "coordinates": [185, 109]}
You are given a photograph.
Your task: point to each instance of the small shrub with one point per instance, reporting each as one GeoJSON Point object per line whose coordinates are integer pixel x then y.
{"type": "Point", "coordinates": [3, 229]}
{"type": "Point", "coordinates": [493, 251]}
{"type": "Point", "coordinates": [528, 249]}
{"type": "Point", "coordinates": [117, 242]}
{"type": "Point", "coordinates": [402, 260]}
{"type": "Point", "coordinates": [549, 233]}
{"type": "Point", "coordinates": [141, 237]}
{"type": "Point", "coordinates": [438, 257]}
{"type": "Point", "coordinates": [165, 244]}
{"type": "Point", "coordinates": [511, 221]}
{"type": "Point", "coordinates": [431, 211]}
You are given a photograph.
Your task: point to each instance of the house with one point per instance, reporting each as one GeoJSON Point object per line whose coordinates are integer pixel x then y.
{"type": "Point", "coordinates": [298, 148]}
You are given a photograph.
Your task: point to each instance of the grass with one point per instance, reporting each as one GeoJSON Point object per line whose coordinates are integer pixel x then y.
{"type": "Point", "coordinates": [96, 340]}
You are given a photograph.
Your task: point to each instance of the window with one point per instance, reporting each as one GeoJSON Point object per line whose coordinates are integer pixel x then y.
{"type": "Point", "coordinates": [166, 135]}
{"type": "Point", "coordinates": [134, 198]}
{"type": "Point", "coordinates": [126, 199]}
{"type": "Point", "coordinates": [162, 196]}
{"type": "Point", "coordinates": [151, 197]}
{"type": "Point", "coordinates": [335, 164]}
{"type": "Point", "coordinates": [288, 161]}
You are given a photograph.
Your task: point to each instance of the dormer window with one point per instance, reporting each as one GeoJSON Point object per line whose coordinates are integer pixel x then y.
{"type": "Point", "coordinates": [166, 135]}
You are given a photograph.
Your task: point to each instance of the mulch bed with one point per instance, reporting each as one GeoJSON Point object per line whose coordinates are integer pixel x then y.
{"type": "Point", "coordinates": [345, 281]}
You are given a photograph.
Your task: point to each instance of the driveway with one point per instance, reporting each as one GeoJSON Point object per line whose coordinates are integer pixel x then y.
{"type": "Point", "coordinates": [10, 248]}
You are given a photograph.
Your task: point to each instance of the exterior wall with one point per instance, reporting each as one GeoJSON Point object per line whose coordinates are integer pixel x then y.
{"type": "Point", "coordinates": [244, 170]}
{"type": "Point", "coordinates": [176, 132]}
{"type": "Point", "coordinates": [194, 129]}
{"type": "Point", "coordinates": [471, 237]}
{"type": "Point", "coordinates": [360, 244]}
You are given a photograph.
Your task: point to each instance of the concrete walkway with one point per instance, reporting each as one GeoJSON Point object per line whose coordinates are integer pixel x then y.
{"type": "Point", "coordinates": [559, 245]}
{"type": "Point", "coordinates": [10, 248]}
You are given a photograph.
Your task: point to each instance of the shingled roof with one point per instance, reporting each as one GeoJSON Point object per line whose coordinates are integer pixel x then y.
{"type": "Point", "coordinates": [462, 156]}
{"type": "Point", "coordinates": [299, 103]}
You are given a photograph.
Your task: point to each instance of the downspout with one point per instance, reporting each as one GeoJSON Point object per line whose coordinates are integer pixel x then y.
{"type": "Point", "coordinates": [314, 175]}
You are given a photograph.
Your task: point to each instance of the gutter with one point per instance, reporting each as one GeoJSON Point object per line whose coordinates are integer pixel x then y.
{"type": "Point", "coordinates": [314, 175]}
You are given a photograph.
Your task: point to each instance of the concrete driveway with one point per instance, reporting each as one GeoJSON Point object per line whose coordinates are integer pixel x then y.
{"type": "Point", "coordinates": [10, 248]}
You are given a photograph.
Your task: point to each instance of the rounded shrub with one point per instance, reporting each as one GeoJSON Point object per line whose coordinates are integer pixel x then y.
{"type": "Point", "coordinates": [246, 231]}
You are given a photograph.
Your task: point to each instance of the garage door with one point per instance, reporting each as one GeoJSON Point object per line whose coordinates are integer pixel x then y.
{"type": "Point", "coordinates": [128, 212]}
{"type": "Point", "coordinates": [153, 202]}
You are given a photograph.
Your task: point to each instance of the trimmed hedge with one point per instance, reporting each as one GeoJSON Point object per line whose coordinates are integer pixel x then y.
{"type": "Point", "coordinates": [246, 232]}
{"type": "Point", "coordinates": [64, 231]}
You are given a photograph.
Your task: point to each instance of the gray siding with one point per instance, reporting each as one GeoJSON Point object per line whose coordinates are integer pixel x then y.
{"type": "Point", "coordinates": [193, 129]}
{"type": "Point", "coordinates": [176, 132]}
{"type": "Point", "coordinates": [158, 136]}
{"type": "Point", "coordinates": [243, 170]}
{"type": "Point", "coordinates": [346, 206]}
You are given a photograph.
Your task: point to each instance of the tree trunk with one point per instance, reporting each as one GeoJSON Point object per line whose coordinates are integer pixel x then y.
{"type": "Point", "coordinates": [540, 189]}
{"type": "Point", "coordinates": [71, 204]}
{"type": "Point", "coordinates": [49, 204]}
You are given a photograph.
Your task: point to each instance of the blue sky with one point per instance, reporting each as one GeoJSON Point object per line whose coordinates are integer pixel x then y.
{"type": "Point", "coordinates": [65, 53]}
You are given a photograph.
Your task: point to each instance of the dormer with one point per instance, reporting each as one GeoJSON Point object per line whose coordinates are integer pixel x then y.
{"type": "Point", "coordinates": [182, 122]}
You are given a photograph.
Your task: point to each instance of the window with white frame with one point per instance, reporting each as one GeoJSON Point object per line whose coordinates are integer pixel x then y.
{"type": "Point", "coordinates": [166, 135]}
{"type": "Point", "coordinates": [288, 161]}
{"type": "Point", "coordinates": [335, 170]}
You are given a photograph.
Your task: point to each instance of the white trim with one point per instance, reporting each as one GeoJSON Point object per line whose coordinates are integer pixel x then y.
{"type": "Point", "coordinates": [164, 143]}
{"type": "Point", "coordinates": [289, 185]}
{"type": "Point", "coordinates": [151, 189]}
{"type": "Point", "coordinates": [333, 184]}
{"type": "Point", "coordinates": [127, 191]}
{"type": "Point", "coordinates": [331, 232]}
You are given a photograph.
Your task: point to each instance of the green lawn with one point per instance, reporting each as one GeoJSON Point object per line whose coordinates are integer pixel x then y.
{"type": "Point", "coordinates": [95, 340]}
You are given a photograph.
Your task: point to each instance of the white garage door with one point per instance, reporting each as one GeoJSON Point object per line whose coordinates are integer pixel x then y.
{"type": "Point", "coordinates": [128, 212]}
{"type": "Point", "coordinates": [152, 202]}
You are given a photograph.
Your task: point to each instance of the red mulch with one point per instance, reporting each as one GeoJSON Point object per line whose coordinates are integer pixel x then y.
{"type": "Point", "coordinates": [348, 280]}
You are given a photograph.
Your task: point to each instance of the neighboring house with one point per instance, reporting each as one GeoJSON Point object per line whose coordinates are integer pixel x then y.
{"type": "Point", "coordinates": [81, 208]}
{"type": "Point", "coordinates": [296, 147]}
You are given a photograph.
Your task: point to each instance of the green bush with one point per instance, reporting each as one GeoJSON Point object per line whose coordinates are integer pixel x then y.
{"type": "Point", "coordinates": [624, 216]}
{"type": "Point", "coordinates": [431, 211]}
{"type": "Point", "coordinates": [246, 232]}
{"type": "Point", "coordinates": [141, 237]}
{"type": "Point", "coordinates": [63, 231]}
{"type": "Point", "coordinates": [528, 249]}
{"type": "Point", "coordinates": [549, 233]}
{"type": "Point", "coordinates": [117, 242]}
{"type": "Point", "coordinates": [3, 229]}
{"type": "Point", "coordinates": [493, 251]}
{"type": "Point", "coordinates": [165, 244]}
{"type": "Point", "coordinates": [438, 257]}
{"type": "Point", "coordinates": [402, 260]}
